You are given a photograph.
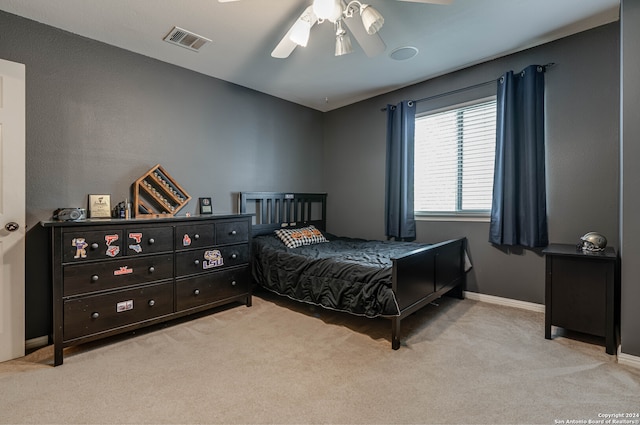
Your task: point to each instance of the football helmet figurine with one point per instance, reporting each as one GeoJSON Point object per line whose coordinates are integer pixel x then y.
{"type": "Point", "coordinates": [592, 242]}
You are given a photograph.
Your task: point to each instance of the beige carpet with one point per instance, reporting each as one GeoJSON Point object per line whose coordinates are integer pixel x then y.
{"type": "Point", "coordinates": [284, 362]}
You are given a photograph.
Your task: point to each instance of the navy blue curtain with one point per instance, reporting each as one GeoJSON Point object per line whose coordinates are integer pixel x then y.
{"type": "Point", "coordinates": [399, 216]}
{"type": "Point", "coordinates": [519, 209]}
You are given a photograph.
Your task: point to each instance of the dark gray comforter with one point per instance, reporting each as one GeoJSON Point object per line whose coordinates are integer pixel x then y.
{"type": "Point", "coordinates": [352, 275]}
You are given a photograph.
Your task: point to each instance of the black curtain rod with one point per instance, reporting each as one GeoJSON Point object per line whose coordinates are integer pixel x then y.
{"type": "Point", "coordinates": [475, 86]}
{"type": "Point", "coordinates": [449, 93]}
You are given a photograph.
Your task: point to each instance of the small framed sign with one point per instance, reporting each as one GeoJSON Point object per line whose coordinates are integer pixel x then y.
{"type": "Point", "coordinates": [205, 206]}
{"type": "Point", "coordinates": [99, 206]}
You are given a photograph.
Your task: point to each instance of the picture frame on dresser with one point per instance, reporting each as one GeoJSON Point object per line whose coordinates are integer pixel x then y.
{"type": "Point", "coordinates": [205, 206]}
{"type": "Point", "coordinates": [99, 206]}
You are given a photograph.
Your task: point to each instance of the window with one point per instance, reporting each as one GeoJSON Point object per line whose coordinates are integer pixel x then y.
{"type": "Point", "coordinates": [454, 157]}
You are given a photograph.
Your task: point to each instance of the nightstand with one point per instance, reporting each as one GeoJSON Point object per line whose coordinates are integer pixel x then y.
{"type": "Point", "coordinates": [581, 292]}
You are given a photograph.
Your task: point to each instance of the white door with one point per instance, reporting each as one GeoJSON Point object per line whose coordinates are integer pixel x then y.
{"type": "Point", "coordinates": [12, 208]}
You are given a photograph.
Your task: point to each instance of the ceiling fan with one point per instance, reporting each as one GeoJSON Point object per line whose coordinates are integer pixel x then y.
{"type": "Point", "coordinates": [339, 12]}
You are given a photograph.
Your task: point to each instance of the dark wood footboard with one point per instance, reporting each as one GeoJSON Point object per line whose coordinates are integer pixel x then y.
{"type": "Point", "coordinates": [423, 275]}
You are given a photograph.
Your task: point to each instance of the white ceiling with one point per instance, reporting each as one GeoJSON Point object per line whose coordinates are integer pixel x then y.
{"type": "Point", "coordinates": [245, 32]}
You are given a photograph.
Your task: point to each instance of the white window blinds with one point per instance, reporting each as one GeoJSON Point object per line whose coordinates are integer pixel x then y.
{"type": "Point", "coordinates": [454, 157]}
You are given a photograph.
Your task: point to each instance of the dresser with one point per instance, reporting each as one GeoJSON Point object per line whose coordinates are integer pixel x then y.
{"type": "Point", "coordinates": [111, 276]}
{"type": "Point", "coordinates": [582, 292]}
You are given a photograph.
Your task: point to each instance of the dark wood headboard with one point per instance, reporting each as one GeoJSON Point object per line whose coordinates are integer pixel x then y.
{"type": "Point", "coordinates": [274, 210]}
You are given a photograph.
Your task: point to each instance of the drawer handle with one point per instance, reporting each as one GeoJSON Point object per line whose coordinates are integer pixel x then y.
{"type": "Point", "coordinates": [152, 269]}
{"type": "Point", "coordinates": [196, 292]}
{"type": "Point", "coordinates": [94, 245]}
{"type": "Point", "coordinates": [234, 256]}
{"type": "Point", "coordinates": [152, 303]}
{"type": "Point", "coordinates": [233, 232]}
{"type": "Point", "coordinates": [233, 283]}
{"type": "Point", "coordinates": [196, 262]}
{"type": "Point", "coordinates": [196, 236]}
{"type": "Point", "coordinates": [95, 315]}
{"type": "Point", "coordinates": [94, 278]}
{"type": "Point", "coordinates": [152, 241]}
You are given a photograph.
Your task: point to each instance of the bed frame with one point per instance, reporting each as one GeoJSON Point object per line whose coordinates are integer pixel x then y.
{"type": "Point", "coordinates": [419, 277]}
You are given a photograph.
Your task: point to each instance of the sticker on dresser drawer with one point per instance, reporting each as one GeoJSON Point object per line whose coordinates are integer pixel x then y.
{"type": "Point", "coordinates": [92, 245]}
{"type": "Point", "coordinates": [124, 306]}
{"type": "Point", "coordinates": [122, 270]}
{"type": "Point", "coordinates": [212, 259]}
{"type": "Point", "coordinates": [81, 247]}
{"type": "Point", "coordinates": [137, 238]}
{"type": "Point", "coordinates": [207, 259]}
{"type": "Point", "coordinates": [194, 236]}
{"type": "Point", "coordinates": [147, 240]}
{"type": "Point", "coordinates": [113, 249]}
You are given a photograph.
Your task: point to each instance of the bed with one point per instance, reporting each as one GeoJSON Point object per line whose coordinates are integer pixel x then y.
{"type": "Point", "coordinates": [368, 278]}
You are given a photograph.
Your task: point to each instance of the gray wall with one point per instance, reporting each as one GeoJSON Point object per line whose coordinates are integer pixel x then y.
{"type": "Point", "coordinates": [630, 157]}
{"type": "Point", "coordinates": [582, 146]}
{"type": "Point", "coordinates": [582, 110]}
{"type": "Point", "coordinates": [99, 117]}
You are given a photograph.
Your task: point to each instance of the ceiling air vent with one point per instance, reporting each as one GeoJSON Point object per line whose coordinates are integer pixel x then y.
{"type": "Point", "coordinates": [186, 39]}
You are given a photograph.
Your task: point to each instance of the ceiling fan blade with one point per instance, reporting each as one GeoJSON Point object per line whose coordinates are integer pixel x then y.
{"type": "Point", "coordinates": [371, 44]}
{"type": "Point", "coordinates": [413, 1]}
{"type": "Point", "coordinates": [285, 47]}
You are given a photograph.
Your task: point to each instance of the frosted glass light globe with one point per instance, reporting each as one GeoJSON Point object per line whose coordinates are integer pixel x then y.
{"type": "Point", "coordinates": [327, 9]}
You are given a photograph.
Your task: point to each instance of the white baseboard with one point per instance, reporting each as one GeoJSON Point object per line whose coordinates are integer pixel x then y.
{"type": "Point", "coordinates": [628, 359]}
{"type": "Point", "coordinates": [624, 359]}
{"type": "Point", "coordinates": [34, 343]}
{"type": "Point", "coordinates": [539, 308]}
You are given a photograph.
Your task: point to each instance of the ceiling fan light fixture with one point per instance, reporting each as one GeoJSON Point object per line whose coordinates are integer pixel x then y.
{"type": "Point", "coordinates": [343, 41]}
{"type": "Point", "coordinates": [343, 45]}
{"type": "Point", "coordinates": [300, 32]}
{"type": "Point", "coordinates": [371, 19]}
{"type": "Point", "coordinates": [330, 10]}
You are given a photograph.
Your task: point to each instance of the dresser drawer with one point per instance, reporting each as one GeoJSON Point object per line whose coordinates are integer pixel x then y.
{"type": "Point", "coordinates": [94, 277]}
{"type": "Point", "coordinates": [99, 313]}
{"type": "Point", "coordinates": [194, 236]}
{"type": "Point", "coordinates": [149, 240]}
{"type": "Point", "coordinates": [230, 232]}
{"type": "Point", "coordinates": [93, 245]}
{"type": "Point", "coordinates": [209, 259]}
{"type": "Point", "coordinates": [211, 287]}
{"type": "Point", "coordinates": [235, 255]}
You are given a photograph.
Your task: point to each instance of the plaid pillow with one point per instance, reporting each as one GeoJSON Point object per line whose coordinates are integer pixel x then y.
{"type": "Point", "coordinates": [294, 238]}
